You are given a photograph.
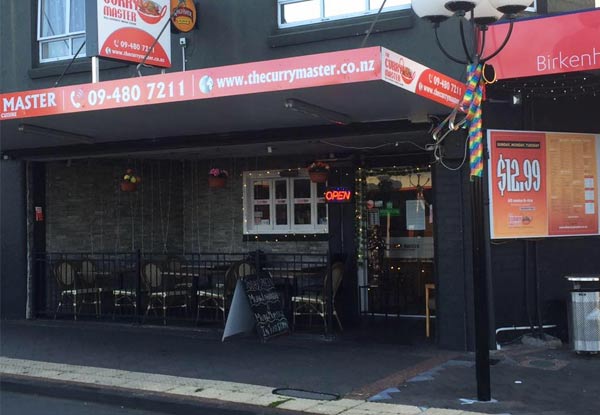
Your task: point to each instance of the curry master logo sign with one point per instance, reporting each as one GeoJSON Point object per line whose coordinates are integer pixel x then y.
{"type": "Point", "coordinates": [126, 30]}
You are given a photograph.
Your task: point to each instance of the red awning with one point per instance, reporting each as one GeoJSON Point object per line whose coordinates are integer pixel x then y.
{"type": "Point", "coordinates": [325, 69]}
{"type": "Point", "coordinates": [547, 45]}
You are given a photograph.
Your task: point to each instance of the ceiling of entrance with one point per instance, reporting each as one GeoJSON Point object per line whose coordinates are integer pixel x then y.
{"type": "Point", "coordinates": [207, 125]}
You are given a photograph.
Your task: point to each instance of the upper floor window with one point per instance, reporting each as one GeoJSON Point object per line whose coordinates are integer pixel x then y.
{"type": "Point", "coordinates": [61, 29]}
{"type": "Point", "coordinates": [279, 205]}
{"type": "Point", "coordinates": [303, 12]}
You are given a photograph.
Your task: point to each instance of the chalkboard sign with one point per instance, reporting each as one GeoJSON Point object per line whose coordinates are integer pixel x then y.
{"type": "Point", "coordinates": [266, 305]}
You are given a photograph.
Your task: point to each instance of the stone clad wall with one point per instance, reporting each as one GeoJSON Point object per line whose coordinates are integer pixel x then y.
{"type": "Point", "coordinates": [173, 208]}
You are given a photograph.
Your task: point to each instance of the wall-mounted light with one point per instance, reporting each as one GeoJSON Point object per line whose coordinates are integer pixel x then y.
{"type": "Point", "coordinates": [50, 132]}
{"type": "Point", "coordinates": [317, 112]}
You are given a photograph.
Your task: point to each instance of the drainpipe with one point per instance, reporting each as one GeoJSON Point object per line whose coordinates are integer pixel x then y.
{"type": "Point", "coordinates": [29, 305]}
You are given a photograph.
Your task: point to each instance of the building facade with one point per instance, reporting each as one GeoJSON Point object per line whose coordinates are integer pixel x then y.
{"type": "Point", "coordinates": [375, 140]}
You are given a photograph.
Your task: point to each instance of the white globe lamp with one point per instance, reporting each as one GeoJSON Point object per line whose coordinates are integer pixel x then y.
{"type": "Point", "coordinates": [431, 10]}
{"type": "Point", "coordinates": [511, 6]}
{"type": "Point", "coordinates": [485, 14]}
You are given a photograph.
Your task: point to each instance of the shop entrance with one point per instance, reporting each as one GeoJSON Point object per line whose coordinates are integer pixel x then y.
{"type": "Point", "coordinates": [395, 232]}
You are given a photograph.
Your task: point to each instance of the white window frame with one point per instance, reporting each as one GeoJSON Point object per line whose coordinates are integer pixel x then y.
{"type": "Point", "coordinates": [532, 8]}
{"type": "Point", "coordinates": [67, 36]}
{"type": "Point", "coordinates": [272, 176]}
{"type": "Point", "coordinates": [366, 11]}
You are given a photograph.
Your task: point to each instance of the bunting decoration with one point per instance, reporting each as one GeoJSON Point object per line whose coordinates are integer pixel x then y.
{"type": "Point", "coordinates": [471, 105]}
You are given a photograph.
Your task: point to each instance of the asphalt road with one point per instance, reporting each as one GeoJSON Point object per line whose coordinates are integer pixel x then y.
{"type": "Point", "coordinates": [13, 403]}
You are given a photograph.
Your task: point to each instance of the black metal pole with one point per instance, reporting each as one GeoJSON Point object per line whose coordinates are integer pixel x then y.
{"type": "Point", "coordinates": [329, 303]}
{"type": "Point", "coordinates": [138, 286]}
{"type": "Point", "coordinates": [482, 349]}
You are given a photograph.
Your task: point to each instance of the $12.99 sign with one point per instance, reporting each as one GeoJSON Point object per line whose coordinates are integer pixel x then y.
{"type": "Point", "coordinates": [543, 184]}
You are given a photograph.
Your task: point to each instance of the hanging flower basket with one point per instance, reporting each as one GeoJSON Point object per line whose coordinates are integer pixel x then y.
{"type": "Point", "coordinates": [318, 172]}
{"type": "Point", "coordinates": [127, 186]}
{"type": "Point", "coordinates": [130, 181]}
{"type": "Point", "coordinates": [216, 182]}
{"type": "Point", "coordinates": [217, 178]}
{"type": "Point", "coordinates": [318, 176]}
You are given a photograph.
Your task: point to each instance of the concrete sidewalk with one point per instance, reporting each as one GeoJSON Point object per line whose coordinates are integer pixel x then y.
{"type": "Point", "coordinates": [369, 377]}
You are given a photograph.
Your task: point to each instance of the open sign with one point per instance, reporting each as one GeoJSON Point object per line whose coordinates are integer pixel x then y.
{"type": "Point", "coordinates": [338, 195]}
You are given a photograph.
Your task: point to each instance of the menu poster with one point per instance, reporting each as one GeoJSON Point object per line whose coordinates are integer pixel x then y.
{"type": "Point", "coordinates": [573, 183]}
{"type": "Point", "coordinates": [543, 184]}
{"type": "Point", "coordinates": [266, 305]}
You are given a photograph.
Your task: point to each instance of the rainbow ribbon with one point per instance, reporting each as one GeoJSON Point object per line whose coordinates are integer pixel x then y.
{"type": "Point", "coordinates": [471, 105]}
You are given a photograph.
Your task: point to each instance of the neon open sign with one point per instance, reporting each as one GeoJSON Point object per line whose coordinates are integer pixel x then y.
{"type": "Point", "coordinates": [338, 195]}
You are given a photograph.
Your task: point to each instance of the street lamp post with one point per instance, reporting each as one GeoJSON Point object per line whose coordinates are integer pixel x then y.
{"type": "Point", "coordinates": [475, 16]}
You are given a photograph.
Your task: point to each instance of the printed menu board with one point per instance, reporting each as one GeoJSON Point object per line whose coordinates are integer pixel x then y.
{"type": "Point", "coordinates": [543, 184]}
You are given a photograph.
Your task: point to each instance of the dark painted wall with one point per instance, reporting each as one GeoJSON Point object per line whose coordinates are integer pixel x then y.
{"type": "Point", "coordinates": [13, 252]}
{"type": "Point", "coordinates": [224, 36]}
{"type": "Point", "coordinates": [452, 236]}
{"type": "Point", "coordinates": [515, 262]}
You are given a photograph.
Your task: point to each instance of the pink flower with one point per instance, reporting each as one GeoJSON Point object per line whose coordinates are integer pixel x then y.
{"type": "Point", "coordinates": [218, 172]}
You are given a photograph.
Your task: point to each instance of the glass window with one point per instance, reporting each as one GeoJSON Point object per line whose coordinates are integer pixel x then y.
{"type": "Point", "coordinates": [341, 7]}
{"type": "Point", "coordinates": [61, 29]}
{"type": "Point", "coordinates": [302, 202]}
{"type": "Point", "coordinates": [262, 203]}
{"type": "Point", "coordinates": [321, 205]}
{"type": "Point", "coordinates": [302, 12]}
{"type": "Point", "coordinates": [281, 205]}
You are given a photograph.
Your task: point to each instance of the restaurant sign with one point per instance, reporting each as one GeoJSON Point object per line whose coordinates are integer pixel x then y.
{"type": "Point", "coordinates": [324, 69]}
{"type": "Point", "coordinates": [543, 184]}
{"type": "Point", "coordinates": [126, 30]}
{"type": "Point", "coordinates": [183, 14]}
{"type": "Point", "coordinates": [338, 195]}
{"type": "Point", "coordinates": [547, 45]}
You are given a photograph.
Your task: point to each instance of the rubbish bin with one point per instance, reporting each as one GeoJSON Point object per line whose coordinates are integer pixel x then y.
{"type": "Point", "coordinates": [584, 310]}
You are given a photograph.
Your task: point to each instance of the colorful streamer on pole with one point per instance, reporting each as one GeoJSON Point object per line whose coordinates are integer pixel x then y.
{"type": "Point", "coordinates": [471, 105]}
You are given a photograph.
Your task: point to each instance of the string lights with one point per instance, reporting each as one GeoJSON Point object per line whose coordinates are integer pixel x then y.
{"type": "Point", "coordinates": [360, 212]}
{"type": "Point", "coordinates": [562, 87]}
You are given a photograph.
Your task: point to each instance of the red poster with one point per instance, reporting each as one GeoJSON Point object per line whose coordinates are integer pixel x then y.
{"type": "Point", "coordinates": [517, 179]}
{"type": "Point", "coordinates": [543, 184]}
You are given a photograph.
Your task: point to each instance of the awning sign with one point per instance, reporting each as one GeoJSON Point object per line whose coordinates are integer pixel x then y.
{"type": "Point", "coordinates": [543, 184]}
{"type": "Point", "coordinates": [309, 71]}
{"type": "Point", "coordinates": [548, 45]}
{"type": "Point", "coordinates": [419, 79]}
{"type": "Point", "coordinates": [126, 30]}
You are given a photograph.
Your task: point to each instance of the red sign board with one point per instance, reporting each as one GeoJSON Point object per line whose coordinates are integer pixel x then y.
{"type": "Point", "coordinates": [549, 45]}
{"type": "Point", "coordinates": [324, 69]}
{"type": "Point", "coordinates": [127, 29]}
{"type": "Point", "coordinates": [419, 79]}
{"type": "Point", "coordinates": [537, 190]}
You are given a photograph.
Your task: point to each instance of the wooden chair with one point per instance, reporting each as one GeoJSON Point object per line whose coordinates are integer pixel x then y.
{"type": "Point", "coordinates": [160, 294]}
{"type": "Point", "coordinates": [429, 306]}
{"type": "Point", "coordinates": [316, 304]}
{"type": "Point", "coordinates": [219, 296]}
{"type": "Point", "coordinates": [77, 286]}
{"type": "Point", "coordinates": [89, 286]}
{"type": "Point", "coordinates": [64, 274]}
